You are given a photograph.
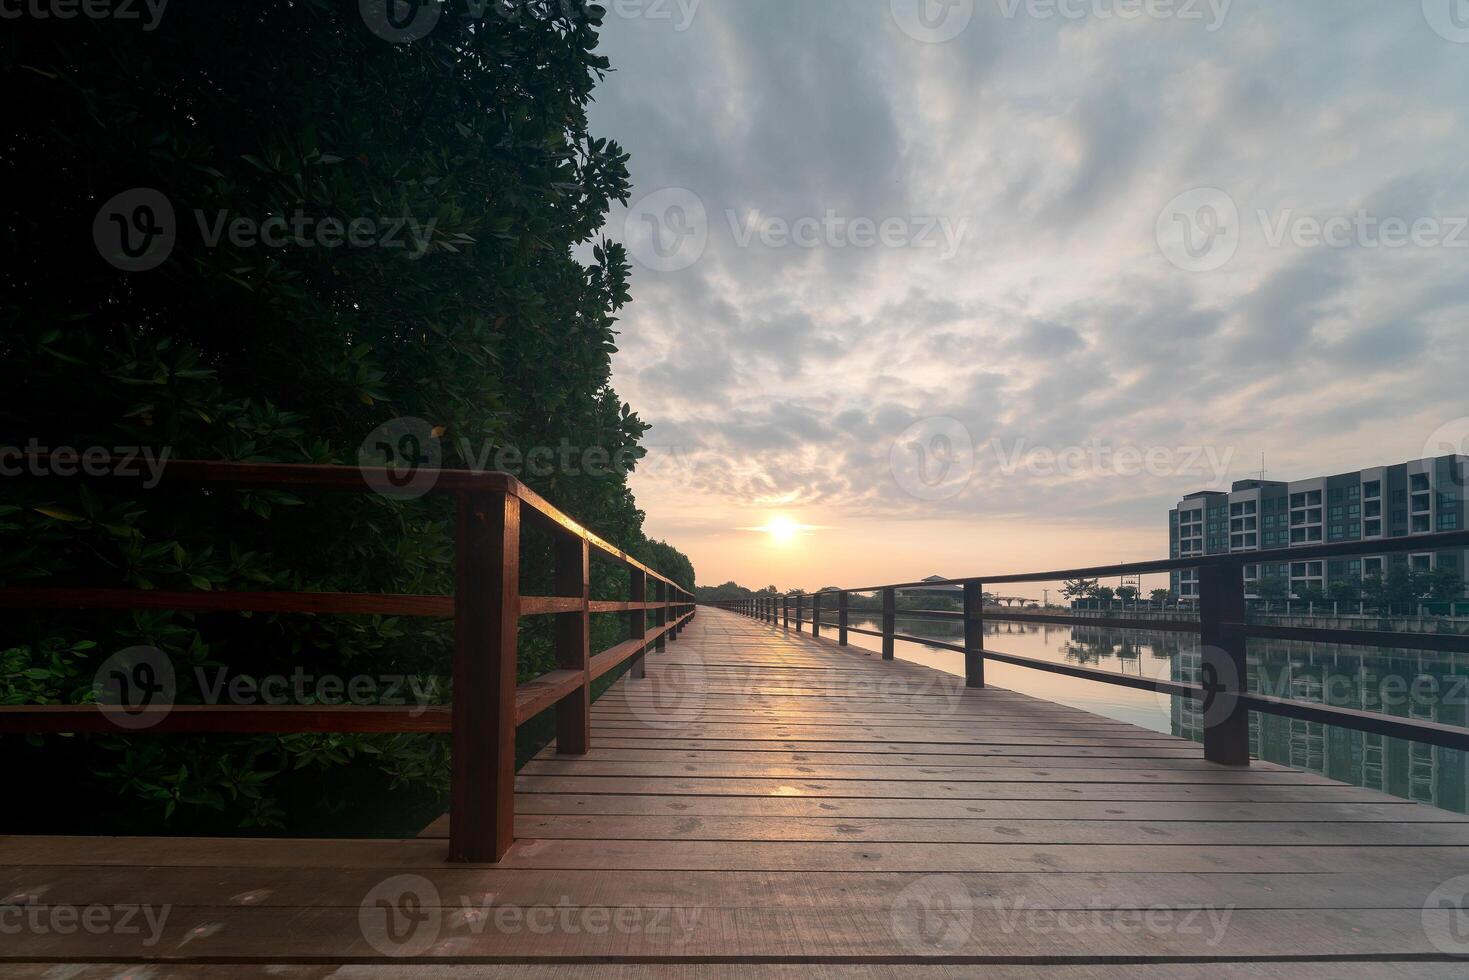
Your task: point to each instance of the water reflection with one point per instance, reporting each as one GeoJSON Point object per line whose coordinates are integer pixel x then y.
{"type": "Point", "coordinates": [1407, 683]}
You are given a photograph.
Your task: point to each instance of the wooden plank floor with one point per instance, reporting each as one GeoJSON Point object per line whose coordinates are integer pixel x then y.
{"type": "Point", "coordinates": [764, 800]}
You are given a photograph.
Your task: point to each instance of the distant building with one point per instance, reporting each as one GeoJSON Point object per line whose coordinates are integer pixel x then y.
{"type": "Point", "coordinates": [940, 587]}
{"type": "Point", "coordinates": [1425, 496]}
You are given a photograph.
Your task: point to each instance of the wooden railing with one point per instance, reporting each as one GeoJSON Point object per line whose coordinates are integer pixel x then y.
{"type": "Point", "coordinates": [1223, 633]}
{"type": "Point", "coordinates": [486, 608]}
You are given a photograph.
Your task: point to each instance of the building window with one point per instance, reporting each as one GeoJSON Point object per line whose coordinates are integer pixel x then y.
{"type": "Point", "coordinates": [1448, 522]}
{"type": "Point", "coordinates": [1419, 482]}
{"type": "Point", "coordinates": [1372, 529]}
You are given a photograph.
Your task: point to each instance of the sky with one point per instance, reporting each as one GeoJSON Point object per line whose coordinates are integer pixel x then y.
{"type": "Point", "coordinates": [981, 286]}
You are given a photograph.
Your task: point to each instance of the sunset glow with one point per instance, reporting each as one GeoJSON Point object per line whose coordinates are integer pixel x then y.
{"type": "Point", "coordinates": [783, 529]}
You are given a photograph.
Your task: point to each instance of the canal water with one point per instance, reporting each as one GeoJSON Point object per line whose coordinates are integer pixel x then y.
{"type": "Point", "coordinates": [1407, 683]}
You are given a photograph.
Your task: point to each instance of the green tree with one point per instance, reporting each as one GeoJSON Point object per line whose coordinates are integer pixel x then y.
{"type": "Point", "coordinates": [1078, 588]}
{"type": "Point", "coordinates": [1162, 595]}
{"type": "Point", "coordinates": [1128, 593]}
{"type": "Point", "coordinates": [1273, 588]}
{"type": "Point", "coordinates": [1395, 591]}
{"type": "Point", "coordinates": [469, 155]}
{"type": "Point", "coordinates": [1441, 584]}
{"type": "Point", "coordinates": [1310, 593]}
{"type": "Point", "coordinates": [1101, 592]}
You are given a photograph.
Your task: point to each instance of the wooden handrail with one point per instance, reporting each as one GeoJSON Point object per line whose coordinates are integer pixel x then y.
{"type": "Point", "coordinates": [488, 705]}
{"type": "Point", "coordinates": [1221, 626]}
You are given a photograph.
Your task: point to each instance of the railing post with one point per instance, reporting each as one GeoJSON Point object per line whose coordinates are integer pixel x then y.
{"type": "Point", "coordinates": [1222, 649]}
{"type": "Point", "coordinates": [637, 620]}
{"type": "Point", "coordinates": [816, 615]}
{"type": "Point", "coordinates": [889, 622]}
{"type": "Point", "coordinates": [842, 618]}
{"type": "Point", "coordinates": [671, 611]}
{"type": "Point", "coordinates": [785, 611]}
{"type": "Point", "coordinates": [800, 611]}
{"type": "Point", "coordinates": [973, 634]}
{"type": "Point", "coordinates": [573, 645]}
{"type": "Point", "coordinates": [486, 623]}
{"type": "Point", "coordinates": [660, 588]}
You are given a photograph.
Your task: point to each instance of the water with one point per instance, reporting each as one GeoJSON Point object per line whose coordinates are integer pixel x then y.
{"type": "Point", "coordinates": [1406, 683]}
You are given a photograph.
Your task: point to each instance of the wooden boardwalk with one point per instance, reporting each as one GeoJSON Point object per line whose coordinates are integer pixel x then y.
{"type": "Point", "coordinates": [766, 798]}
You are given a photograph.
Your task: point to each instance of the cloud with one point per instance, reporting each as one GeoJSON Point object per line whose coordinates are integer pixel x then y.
{"type": "Point", "coordinates": [787, 373]}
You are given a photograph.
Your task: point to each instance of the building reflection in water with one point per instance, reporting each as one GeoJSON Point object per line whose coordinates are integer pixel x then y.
{"type": "Point", "coordinates": [1408, 683]}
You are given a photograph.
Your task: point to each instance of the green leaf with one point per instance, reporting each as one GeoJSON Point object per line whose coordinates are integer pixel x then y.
{"type": "Point", "coordinates": [59, 513]}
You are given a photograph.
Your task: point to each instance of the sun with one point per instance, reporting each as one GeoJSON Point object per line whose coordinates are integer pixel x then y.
{"type": "Point", "coordinates": [782, 529]}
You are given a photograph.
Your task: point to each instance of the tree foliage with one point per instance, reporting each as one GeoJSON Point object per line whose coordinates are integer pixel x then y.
{"type": "Point", "coordinates": [492, 318]}
{"type": "Point", "coordinates": [1079, 588]}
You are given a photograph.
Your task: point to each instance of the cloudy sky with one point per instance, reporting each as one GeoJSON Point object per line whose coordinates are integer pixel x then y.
{"type": "Point", "coordinates": [986, 285]}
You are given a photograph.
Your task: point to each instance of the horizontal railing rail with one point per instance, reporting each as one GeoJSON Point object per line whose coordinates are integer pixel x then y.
{"type": "Point", "coordinates": [1222, 627]}
{"type": "Point", "coordinates": [487, 705]}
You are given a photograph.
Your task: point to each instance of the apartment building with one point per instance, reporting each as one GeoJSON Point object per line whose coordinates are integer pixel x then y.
{"type": "Point", "coordinates": [1424, 496]}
